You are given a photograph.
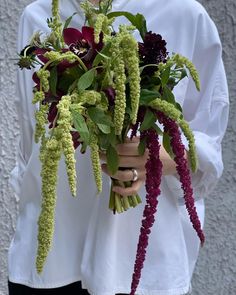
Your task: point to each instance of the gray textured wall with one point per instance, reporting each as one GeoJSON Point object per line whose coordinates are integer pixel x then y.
{"type": "Point", "coordinates": [216, 269]}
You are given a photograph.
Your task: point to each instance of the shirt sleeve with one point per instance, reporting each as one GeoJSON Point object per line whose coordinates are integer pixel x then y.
{"type": "Point", "coordinates": [206, 111]}
{"type": "Point", "coordinates": [24, 107]}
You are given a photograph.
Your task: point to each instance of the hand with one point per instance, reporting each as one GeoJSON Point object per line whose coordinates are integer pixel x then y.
{"type": "Point", "coordinates": [169, 166]}
{"type": "Point", "coordinates": [128, 158]}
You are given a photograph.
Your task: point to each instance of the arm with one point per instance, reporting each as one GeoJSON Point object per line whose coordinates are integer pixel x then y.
{"type": "Point", "coordinates": [129, 157]}
{"type": "Point", "coordinates": [206, 111]}
{"type": "Point", "coordinates": [24, 107]}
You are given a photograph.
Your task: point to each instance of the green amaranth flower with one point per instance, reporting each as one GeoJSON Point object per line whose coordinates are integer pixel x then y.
{"type": "Point", "coordinates": [56, 24]}
{"type": "Point", "coordinates": [181, 61]}
{"type": "Point", "coordinates": [64, 127]}
{"type": "Point", "coordinates": [105, 6]}
{"type": "Point", "coordinates": [170, 111]}
{"type": "Point", "coordinates": [77, 107]}
{"type": "Point", "coordinates": [167, 108]}
{"type": "Point", "coordinates": [130, 54]}
{"type": "Point", "coordinates": [57, 56]}
{"type": "Point", "coordinates": [89, 11]}
{"type": "Point", "coordinates": [44, 76]}
{"type": "Point", "coordinates": [120, 79]}
{"type": "Point", "coordinates": [191, 144]}
{"type": "Point", "coordinates": [38, 97]}
{"type": "Point", "coordinates": [50, 159]}
{"type": "Point", "coordinates": [97, 172]}
{"type": "Point", "coordinates": [90, 97]}
{"type": "Point", "coordinates": [41, 120]}
{"type": "Point", "coordinates": [102, 25]}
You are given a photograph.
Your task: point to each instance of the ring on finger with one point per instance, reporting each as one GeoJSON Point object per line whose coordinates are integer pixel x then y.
{"type": "Point", "coordinates": [135, 174]}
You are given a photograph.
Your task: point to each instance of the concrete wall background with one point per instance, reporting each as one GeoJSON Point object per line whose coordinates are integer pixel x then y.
{"type": "Point", "coordinates": [216, 268]}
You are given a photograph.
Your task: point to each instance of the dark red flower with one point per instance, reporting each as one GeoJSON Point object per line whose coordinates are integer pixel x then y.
{"type": "Point", "coordinates": [39, 52]}
{"type": "Point", "coordinates": [153, 180]}
{"type": "Point", "coordinates": [178, 148]}
{"type": "Point", "coordinates": [152, 51]}
{"type": "Point", "coordinates": [82, 43]}
{"type": "Point", "coordinates": [111, 95]}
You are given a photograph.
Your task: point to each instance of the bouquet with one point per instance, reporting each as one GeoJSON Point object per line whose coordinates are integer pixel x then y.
{"type": "Point", "coordinates": [92, 86]}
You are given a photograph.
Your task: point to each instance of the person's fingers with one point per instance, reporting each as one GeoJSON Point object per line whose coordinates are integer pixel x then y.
{"type": "Point", "coordinates": [134, 139]}
{"type": "Point", "coordinates": [134, 162]}
{"type": "Point", "coordinates": [128, 149]}
{"type": "Point", "coordinates": [129, 191]}
{"type": "Point", "coordinates": [123, 175]}
{"type": "Point", "coordinates": [129, 161]}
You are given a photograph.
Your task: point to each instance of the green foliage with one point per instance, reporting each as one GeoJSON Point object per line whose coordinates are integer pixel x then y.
{"type": "Point", "coordinates": [68, 21]}
{"type": "Point", "coordinates": [112, 159]}
{"type": "Point", "coordinates": [165, 75]}
{"type": "Point", "coordinates": [53, 80]}
{"type": "Point", "coordinates": [149, 120]}
{"type": "Point", "coordinates": [168, 95]}
{"type": "Point", "coordinates": [142, 146]}
{"type": "Point", "coordinates": [102, 55]}
{"type": "Point", "coordinates": [86, 80]}
{"type": "Point", "coordinates": [137, 20]}
{"type": "Point", "coordinates": [146, 96]}
{"type": "Point", "coordinates": [104, 128]}
{"type": "Point", "coordinates": [98, 116]}
{"type": "Point", "coordinates": [81, 126]}
{"type": "Point", "coordinates": [167, 145]}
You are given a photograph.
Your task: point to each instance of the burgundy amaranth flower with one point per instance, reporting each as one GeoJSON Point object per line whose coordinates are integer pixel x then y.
{"type": "Point", "coordinates": [153, 180]}
{"type": "Point", "coordinates": [111, 95]}
{"type": "Point", "coordinates": [75, 138]}
{"type": "Point", "coordinates": [140, 118]}
{"type": "Point", "coordinates": [82, 43]}
{"type": "Point", "coordinates": [172, 129]}
{"type": "Point", "coordinates": [152, 51]}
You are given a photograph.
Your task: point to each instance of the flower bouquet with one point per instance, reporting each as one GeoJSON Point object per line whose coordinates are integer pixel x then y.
{"type": "Point", "coordinates": [93, 85]}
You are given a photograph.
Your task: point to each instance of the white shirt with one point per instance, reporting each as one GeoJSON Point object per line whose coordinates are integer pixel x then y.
{"type": "Point", "coordinates": [90, 243]}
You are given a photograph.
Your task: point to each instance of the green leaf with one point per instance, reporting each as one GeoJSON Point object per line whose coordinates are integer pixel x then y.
{"type": "Point", "coordinates": [103, 54]}
{"type": "Point", "coordinates": [68, 21]}
{"type": "Point", "coordinates": [104, 128]}
{"type": "Point", "coordinates": [112, 137]}
{"type": "Point", "coordinates": [99, 117]}
{"type": "Point", "coordinates": [53, 80]}
{"type": "Point", "coordinates": [167, 145]}
{"type": "Point", "coordinates": [86, 80]}
{"type": "Point", "coordinates": [112, 159]}
{"type": "Point", "coordinates": [103, 141]}
{"type": "Point", "coordinates": [147, 66]}
{"type": "Point", "coordinates": [183, 74]}
{"type": "Point", "coordinates": [178, 106]}
{"type": "Point", "coordinates": [75, 72]}
{"type": "Point", "coordinates": [165, 76]}
{"type": "Point", "coordinates": [149, 120]}
{"type": "Point", "coordinates": [142, 146]}
{"type": "Point", "coordinates": [146, 96]}
{"type": "Point", "coordinates": [168, 95]}
{"type": "Point", "coordinates": [65, 81]}
{"type": "Point", "coordinates": [157, 128]}
{"type": "Point", "coordinates": [141, 24]}
{"type": "Point", "coordinates": [137, 20]}
{"type": "Point", "coordinates": [80, 126]}
{"type": "Point", "coordinates": [83, 147]}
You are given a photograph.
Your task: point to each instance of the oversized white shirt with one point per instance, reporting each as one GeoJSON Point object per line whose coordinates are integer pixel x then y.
{"type": "Point", "coordinates": [90, 243]}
